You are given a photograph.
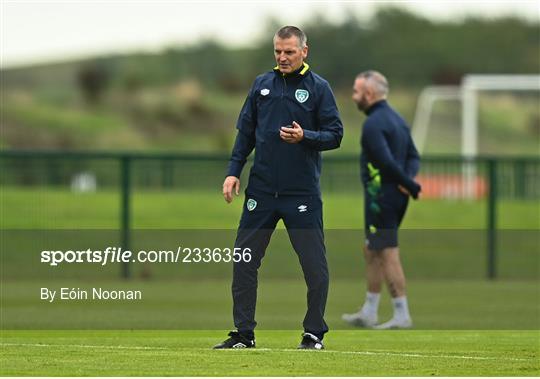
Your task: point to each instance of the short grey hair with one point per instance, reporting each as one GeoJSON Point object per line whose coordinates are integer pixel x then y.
{"type": "Point", "coordinates": [376, 81]}
{"type": "Point", "coordinates": [292, 31]}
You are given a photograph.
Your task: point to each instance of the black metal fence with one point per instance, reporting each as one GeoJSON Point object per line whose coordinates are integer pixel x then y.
{"type": "Point", "coordinates": [480, 179]}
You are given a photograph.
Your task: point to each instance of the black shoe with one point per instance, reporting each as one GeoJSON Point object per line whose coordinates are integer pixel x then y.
{"type": "Point", "coordinates": [311, 341]}
{"type": "Point", "coordinates": [236, 341]}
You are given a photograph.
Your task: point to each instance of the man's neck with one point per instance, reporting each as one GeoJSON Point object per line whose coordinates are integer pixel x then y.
{"type": "Point", "coordinates": [374, 105]}
{"type": "Point", "coordinates": [296, 71]}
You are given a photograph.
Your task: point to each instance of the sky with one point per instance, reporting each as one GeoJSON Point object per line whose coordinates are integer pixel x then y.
{"type": "Point", "coordinates": [40, 31]}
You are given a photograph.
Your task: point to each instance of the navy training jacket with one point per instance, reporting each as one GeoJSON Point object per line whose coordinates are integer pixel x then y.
{"type": "Point", "coordinates": [388, 151]}
{"type": "Point", "coordinates": [276, 100]}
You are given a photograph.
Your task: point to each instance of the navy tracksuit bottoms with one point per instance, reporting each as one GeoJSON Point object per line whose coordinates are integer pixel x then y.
{"type": "Point", "coordinates": [302, 216]}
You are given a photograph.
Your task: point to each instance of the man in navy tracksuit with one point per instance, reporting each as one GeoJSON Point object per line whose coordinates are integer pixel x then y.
{"type": "Point", "coordinates": [389, 163]}
{"type": "Point", "coordinates": [289, 117]}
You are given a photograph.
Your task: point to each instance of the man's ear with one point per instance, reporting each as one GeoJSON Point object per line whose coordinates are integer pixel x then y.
{"type": "Point", "coordinates": [370, 95]}
{"type": "Point", "coordinates": [305, 52]}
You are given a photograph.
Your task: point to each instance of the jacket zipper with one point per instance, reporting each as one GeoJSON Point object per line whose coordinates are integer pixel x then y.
{"type": "Point", "coordinates": [276, 194]}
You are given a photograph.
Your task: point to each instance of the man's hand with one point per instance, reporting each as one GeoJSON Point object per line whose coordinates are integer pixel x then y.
{"type": "Point", "coordinates": [416, 190]}
{"type": "Point", "coordinates": [403, 190]}
{"type": "Point", "coordinates": [228, 185]}
{"type": "Point", "coordinates": [292, 135]}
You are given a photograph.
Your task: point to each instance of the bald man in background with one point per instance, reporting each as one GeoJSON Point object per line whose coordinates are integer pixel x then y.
{"type": "Point", "coordinates": [389, 163]}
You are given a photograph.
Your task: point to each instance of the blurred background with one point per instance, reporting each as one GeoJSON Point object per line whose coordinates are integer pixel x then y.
{"type": "Point", "coordinates": [120, 116]}
{"type": "Point", "coordinates": [146, 76]}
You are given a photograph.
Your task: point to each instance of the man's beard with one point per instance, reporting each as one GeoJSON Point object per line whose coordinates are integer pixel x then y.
{"type": "Point", "coordinates": [362, 105]}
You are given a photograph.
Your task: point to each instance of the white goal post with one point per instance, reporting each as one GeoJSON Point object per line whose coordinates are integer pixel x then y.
{"type": "Point", "coordinates": [467, 93]}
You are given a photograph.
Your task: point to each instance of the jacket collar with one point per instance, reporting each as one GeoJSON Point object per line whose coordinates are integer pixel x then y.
{"type": "Point", "coordinates": [376, 105]}
{"type": "Point", "coordinates": [300, 72]}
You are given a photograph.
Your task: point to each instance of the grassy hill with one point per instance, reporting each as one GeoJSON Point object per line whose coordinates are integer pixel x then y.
{"type": "Point", "coordinates": [188, 117]}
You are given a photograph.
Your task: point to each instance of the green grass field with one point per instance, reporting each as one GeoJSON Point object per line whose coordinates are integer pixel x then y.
{"type": "Point", "coordinates": [435, 304]}
{"type": "Point", "coordinates": [49, 208]}
{"type": "Point", "coordinates": [461, 328]}
{"type": "Point", "coordinates": [349, 353]}
{"type": "Point", "coordinates": [464, 324]}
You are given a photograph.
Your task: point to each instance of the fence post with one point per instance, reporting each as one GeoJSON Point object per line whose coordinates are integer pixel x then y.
{"type": "Point", "coordinates": [492, 219]}
{"type": "Point", "coordinates": [167, 173]}
{"type": "Point", "coordinates": [520, 178]}
{"type": "Point", "coordinates": [125, 197]}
